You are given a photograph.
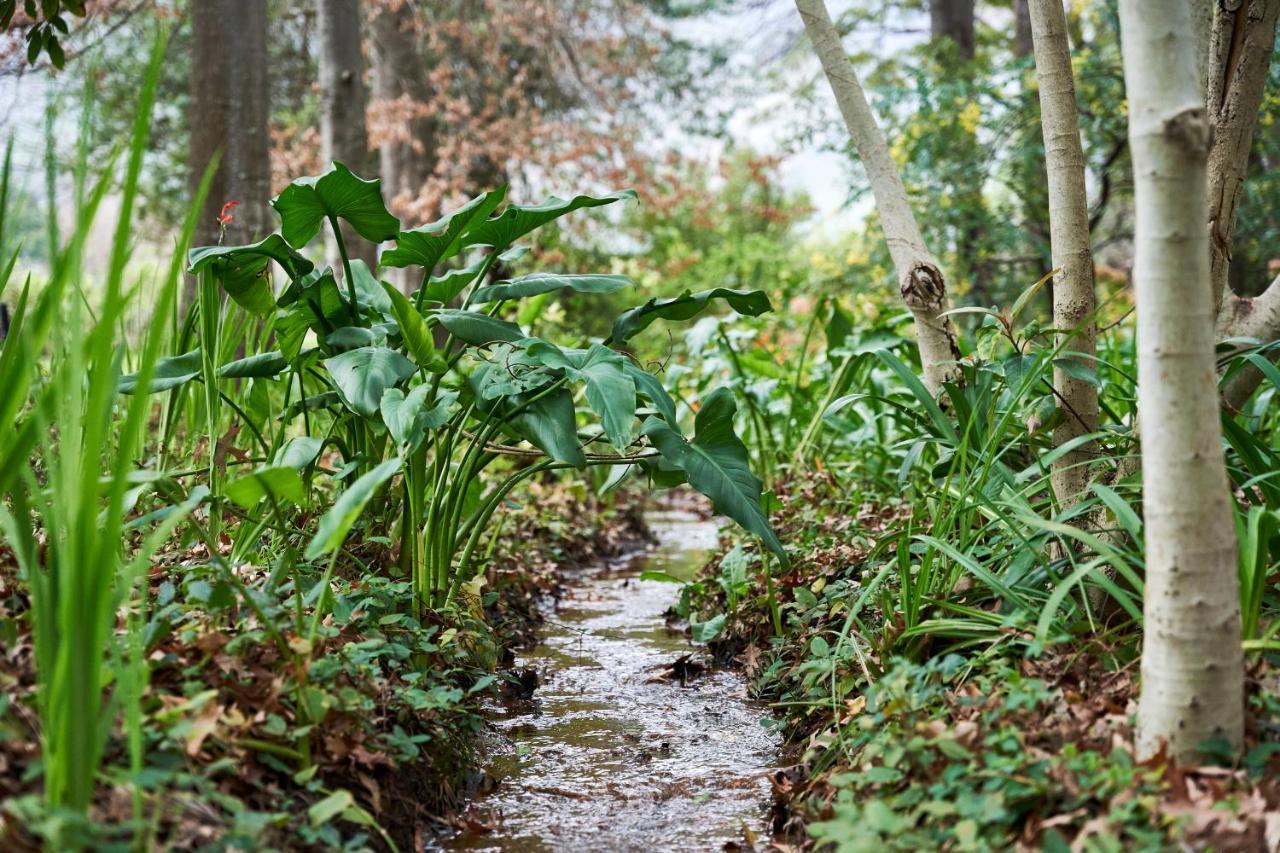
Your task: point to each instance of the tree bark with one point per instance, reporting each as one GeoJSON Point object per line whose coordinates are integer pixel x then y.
{"type": "Point", "coordinates": [921, 281]}
{"type": "Point", "coordinates": [1244, 34]}
{"type": "Point", "coordinates": [342, 101]}
{"type": "Point", "coordinates": [1239, 58]}
{"type": "Point", "coordinates": [1074, 301]}
{"type": "Point", "coordinates": [1023, 41]}
{"type": "Point", "coordinates": [230, 114]}
{"type": "Point", "coordinates": [400, 78]}
{"type": "Point", "coordinates": [954, 19]}
{"type": "Point", "coordinates": [1192, 664]}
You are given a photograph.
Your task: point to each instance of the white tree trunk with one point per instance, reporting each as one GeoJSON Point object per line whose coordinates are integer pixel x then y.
{"type": "Point", "coordinates": [922, 284]}
{"type": "Point", "coordinates": [1074, 302]}
{"type": "Point", "coordinates": [1192, 664]}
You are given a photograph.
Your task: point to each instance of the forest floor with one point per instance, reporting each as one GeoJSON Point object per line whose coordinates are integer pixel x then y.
{"type": "Point", "coordinates": [994, 745]}
{"type": "Point", "coordinates": [401, 704]}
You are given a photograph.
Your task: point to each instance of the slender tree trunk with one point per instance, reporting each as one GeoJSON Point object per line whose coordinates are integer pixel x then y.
{"type": "Point", "coordinates": [342, 101]}
{"type": "Point", "coordinates": [1241, 52]}
{"type": "Point", "coordinates": [1192, 664]}
{"type": "Point", "coordinates": [400, 82]}
{"type": "Point", "coordinates": [230, 114]}
{"type": "Point", "coordinates": [954, 19]}
{"type": "Point", "coordinates": [1023, 41]}
{"type": "Point", "coordinates": [1074, 302]}
{"type": "Point", "coordinates": [1236, 74]}
{"type": "Point", "coordinates": [922, 284]}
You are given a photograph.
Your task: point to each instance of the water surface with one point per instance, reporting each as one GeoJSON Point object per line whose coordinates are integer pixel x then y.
{"type": "Point", "coordinates": [613, 752]}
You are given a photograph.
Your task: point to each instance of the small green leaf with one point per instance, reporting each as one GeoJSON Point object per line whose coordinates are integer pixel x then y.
{"type": "Point", "coordinates": [330, 807]}
{"type": "Point", "coordinates": [282, 483]}
{"type": "Point", "coordinates": [298, 452]}
{"type": "Point", "coordinates": [662, 577]}
{"type": "Point", "coordinates": [306, 203]}
{"type": "Point", "coordinates": [705, 632]}
{"type": "Point", "coordinates": [1078, 370]}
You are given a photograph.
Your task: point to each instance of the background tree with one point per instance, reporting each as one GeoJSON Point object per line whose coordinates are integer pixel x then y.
{"type": "Point", "coordinates": [229, 116]}
{"type": "Point", "coordinates": [342, 99]}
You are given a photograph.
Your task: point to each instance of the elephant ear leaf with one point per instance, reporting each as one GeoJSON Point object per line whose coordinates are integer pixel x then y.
{"type": "Point", "coordinates": [549, 422]}
{"type": "Point", "coordinates": [716, 465]}
{"type": "Point", "coordinates": [168, 373]}
{"type": "Point", "coordinates": [538, 283]}
{"type": "Point", "coordinates": [363, 375]}
{"type": "Point", "coordinates": [518, 220]}
{"type": "Point", "coordinates": [307, 202]}
{"type": "Point", "coordinates": [242, 270]}
{"type": "Point", "coordinates": [753, 303]}
{"type": "Point", "coordinates": [438, 241]}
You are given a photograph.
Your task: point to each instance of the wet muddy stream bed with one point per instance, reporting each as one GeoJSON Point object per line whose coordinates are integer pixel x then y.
{"type": "Point", "coordinates": [612, 752]}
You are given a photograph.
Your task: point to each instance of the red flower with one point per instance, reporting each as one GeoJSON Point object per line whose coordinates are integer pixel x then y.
{"type": "Point", "coordinates": [225, 218]}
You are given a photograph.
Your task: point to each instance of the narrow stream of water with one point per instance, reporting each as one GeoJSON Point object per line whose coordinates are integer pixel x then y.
{"type": "Point", "coordinates": [609, 754]}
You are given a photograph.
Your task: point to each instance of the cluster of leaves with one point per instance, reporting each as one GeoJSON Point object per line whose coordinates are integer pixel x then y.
{"type": "Point", "coordinates": [46, 22]}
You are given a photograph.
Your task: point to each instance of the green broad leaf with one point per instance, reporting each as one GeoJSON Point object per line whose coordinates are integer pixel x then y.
{"type": "Point", "coordinates": [242, 270]}
{"type": "Point", "coordinates": [168, 373]}
{"type": "Point", "coordinates": [478, 329]}
{"type": "Point", "coordinates": [446, 287]}
{"type": "Point", "coordinates": [705, 632]}
{"type": "Point", "coordinates": [260, 366]}
{"type": "Point", "coordinates": [716, 464]}
{"type": "Point", "coordinates": [337, 522]}
{"type": "Point", "coordinates": [298, 452]}
{"type": "Point", "coordinates": [649, 386]}
{"type": "Point", "coordinates": [414, 332]}
{"type": "Point", "coordinates": [279, 482]}
{"type": "Point", "coordinates": [511, 372]}
{"type": "Point", "coordinates": [306, 203]}
{"type": "Point", "coordinates": [536, 283]}
{"type": "Point", "coordinates": [518, 220]}
{"type": "Point", "coordinates": [611, 387]}
{"type": "Point", "coordinates": [550, 423]}
{"type": "Point", "coordinates": [611, 391]}
{"type": "Point", "coordinates": [407, 417]}
{"type": "Point", "coordinates": [438, 241]}
{"type": "Point", "coordinates": [1077, 369]}
{"type": "Point", "coordinates": [363, 376]}
{"type": "Point", "coordinates": [752, 303]}
{"type": "Point", "coordinates": [353, 337]}
{"type": "Point", "coordinates": [369, 292]}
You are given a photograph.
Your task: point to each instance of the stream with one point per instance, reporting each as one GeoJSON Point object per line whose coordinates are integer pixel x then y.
{"type": "Point", "coordinates": [612, 752]}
